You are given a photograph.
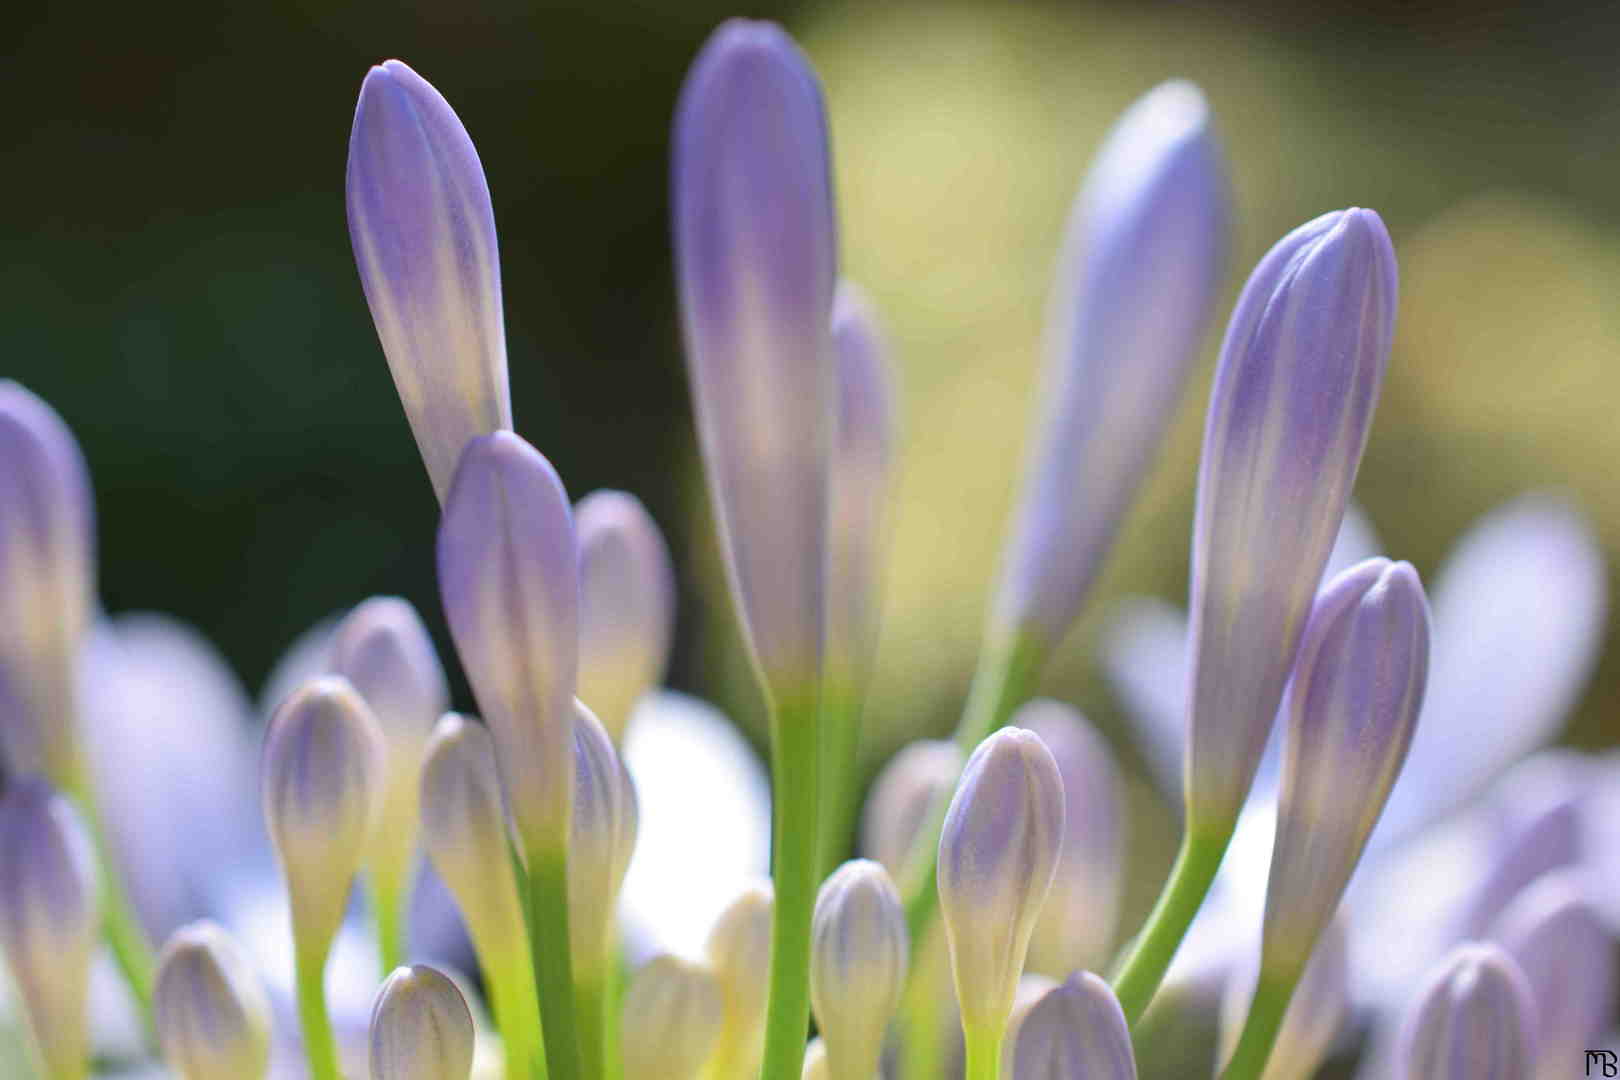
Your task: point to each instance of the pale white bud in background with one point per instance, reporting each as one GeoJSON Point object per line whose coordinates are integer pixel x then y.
{"type": "Point", "coordinates": [210, 1008]}
{"type": "Point", "coordinates": [672, 1015]}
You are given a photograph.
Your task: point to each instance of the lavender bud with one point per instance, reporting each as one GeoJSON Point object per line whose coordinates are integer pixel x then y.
{"type": "Point", "coordinates": [47, 585]}
{"type": "Point", "coordinates": [424, 240]}
{"type": "Point", "coordinates": [1289, 412]}
{"type": "Point", "coordinates": [509, 579]}
{"type": "Point", "coordinates": [627, 605]}
{"type": "Point", "coordinates": [1031, 989]}
{"type": "Point", "coordinates": [1075, 1032]}
{"type": "Point", "coordinates": [421, 1028]}
{"type": "Point", "coordinates": [858, 957]}
{"type": "Point", "coordinates": [1076, 925]}
{"type": "Point", "coordinates": [210, 1009]}
{"type": "Point", "coordinates": [738, 951]}
{"type": "Point", "coordinates": [49, 923]}
{"type": "Point", "coordinates": [1316, 1013]}
{"type": "Point", "coordinates": [603, 838]}
{"type": "Point", "coordinates": [672, 1016]}
{"type": "Point", "coordinates": [1137, 281]}
{"type": "Point", "coordinates": [321, 780]}
{"type": "Point", "coordinates": [1475, 1020]}
{"type": "Point", "coordinates": [756, 259]}
{"type": "Point", "coordinates": [901, 797]}
{"type": "Point", "coordinates": [997, 855]}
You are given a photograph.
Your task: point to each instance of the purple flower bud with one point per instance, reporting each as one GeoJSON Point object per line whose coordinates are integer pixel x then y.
{"type": "Point", "coordinates": [1137, 281]}
{"type": "Point", "coordinates": [1075, 1032]}
{"type": "Point", "coordinates": [49, 923]}
{"type": "Point", "coordinates": [1475, 1020]}
{"type": "Point", "coordinates": [862, 461]}
{"type": "Point", "coordinates": [210, 1009]}
{"type": "Point", "coordinates": [859, 947]}
{"type": "Point", "coordinates": [603, 838]}
{"type": "Point", "coordinates": [509, 579]}
{"type": "Point", "coordinates": [321, 783]}
{"type": "Point", "coordinates": [905, 790]}
{"type": "Point", "coordinates": [421, 1028]}
{"type": "Point", "coordinates": [672, 1014]}
{"type": "Point", "coordinates": [47, 585]}
{"type": "Point", "coordinates": [997, 853]}
{"type": "Point", "coordinates": [424, 239]}
{"type": "Point", "coordinates": [1288, 418]}
{"type": "Point", "coordinates": [1352, 708]}
{"type": "Point", "coordinates": [756, 258]}
{"type": "Point", "coordinates": [627, 605]}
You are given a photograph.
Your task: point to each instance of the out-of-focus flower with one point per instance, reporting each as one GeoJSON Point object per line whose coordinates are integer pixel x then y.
{"type": "Point", "coordinates": [672, 1015]}
{"type": "Point", "coordinates": [1031, 989]}
{"type": "Point", "coordinates": [603, 839]}
{"type": "Point", "coordinates": [898, 804]}
{"type": "Point", "coordinates": [210, 1009]}
{"type": "Point", "coordinates": [424, 240]}
{"type": "Point", "coordinates": [1076, 1032]}
{"type": "Point", "coordinates": [421, 1028]}
{"type": "Point", "coordinates": [739, 953]}
{"type": "Point", "coordinates": [859, 950]}
{"type": "Point", "coordinates": [1475, 1020]}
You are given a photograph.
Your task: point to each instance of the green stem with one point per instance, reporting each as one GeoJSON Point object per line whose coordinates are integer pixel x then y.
{"type": "Point", "coordinates": [119, 923]}
{"type": "Point", "coordinates": [553, 968]}
{"type": "Point", "coordinates": [316, 1026]}
{"type": "Point", "coordinates": [983, 1054]}
{"type": "Point", "coordinates": [511, 990]}
{"type": "Point", "coordinates": [1152, 950]}
{"type": "Point", "coordinates": [795, 753]}
{"type": "Point", "coordinates": [840, 764]}
{"type": "Point", "coordinates": [388, 914]}
{"type": "Point", "coordinates": [1266, 1013]}
{"type": "Point", "coordinates": [590, 1000]}
{"type": "Point", "coordinates": [920, 1057]}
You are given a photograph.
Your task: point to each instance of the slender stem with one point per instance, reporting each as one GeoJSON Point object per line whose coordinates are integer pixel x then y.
{"type": "Point", "coordinates": [590, 1000]}
{"type": "Point", "coordinates": [388, 913]}
{"type": "Point", "coordinates": [511, 989]}
{"type": "Point", "coordinates": [795, 754]}
{"type": "Point", "coordinates": [553, 969]}
{"type": "Point", "coordinates": [119, 924]}
{"type": "Point", "coordinates": [1152, 950]}
{"type": "Point", "coordinates": [1266, 1013]}
{"type": "Point", "coordinates": [983, 1053]}
{"type": "Point", "coordinates": [840, 763]}
{"type": "Point", "coordinates": [920, 1049]}
{"type": "Point", "coordinates": [316, 1026]}
{"type": "Point", "coordinates": [614, 1063]}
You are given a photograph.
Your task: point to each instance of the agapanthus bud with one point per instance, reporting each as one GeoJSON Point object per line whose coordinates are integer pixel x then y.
{"type": "Point", "coordinates": [210, 1009]}
{"type": "Point", "coordinates": [862, 452]}
{"type": "Point", "coordinates": [627, 605]}
{"type": "Point", "coordinates": [509, 579]}
{"type": "Point", "coordinates": [859, 948]}
{"type": "Point", "coordinates": [1289, 413]}
{"type": "Point", "coordinates": [1474, 1020]}
{"type": "Point", "coordinates": [815, 1061]}
{"type": "Point", "coordinates": [1076, 925]}
{"type": "Point", "coordinates": [756, 259]}
{"type": "Point", "coordinates": [738, 951]}
{"type": "Point", "coordinates": [321, 781]}
{"type": "Point", "coordinates": [421, 1028]}
{"type": "Point", "coordinates": [1075, 1032]}
{"type": "Point", "coordinates": [997, 854]}
{"type": "Point", "coordinates": [1137, 281]}
{"type": "Point", "coordinates": [424, 239]}
{"type": "Point", "coordinates": [603, 838]}
{"type": "Point", "coordinates": [1352, 708]}
{"type": "Point", "coordinates": [898, 804]}
{"type": "Point", "coordinates": [47, 584]}
{"type": "Point", "coordinates": [1031, 989]}
{"type": "Point", "coordinates": [48, 918]}
{"type": "Point", "coordinates": [672, 1015]}
{"type": "Point", "coordinates": [1316, 1012]}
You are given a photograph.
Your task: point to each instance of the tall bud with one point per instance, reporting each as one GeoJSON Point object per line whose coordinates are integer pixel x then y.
{"type": "Point", "coordinates": [1075, 1032]}
{"type": "Point", "coordinates": [672, 1015]}
{"type": "Point", "coordinates": [210, 1009]}
{"type": "Point", "coordinates": [421, 1028]}
{"type": "Point", "coordinates": [738, 951]}
{"type": "Point", "coordinates": [858, 957]}
{"type": "Point", "coordinates": [603, 839]}
{"type": "Point", "coordinates": [1474, 1020]}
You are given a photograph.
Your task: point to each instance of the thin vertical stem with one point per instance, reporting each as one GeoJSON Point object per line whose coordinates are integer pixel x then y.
{"type": "Point", "coordinates": [1266, 1013]}
{"type": "Point", "coordinates": [840, 762]}
{"type": "Point", "coordinates": [553, 968]}
{"type": "Point", "coordinates": [316, 1026]}
{"type": "Point", "coordinates": [983, 1053]}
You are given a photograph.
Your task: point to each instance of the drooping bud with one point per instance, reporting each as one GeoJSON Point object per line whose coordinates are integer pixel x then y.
{"type": "Point", "coordinates": [421, 1028]}
{"type": "Point", "coordinates": [47, 586]}
{"type": "Point", "coordinates": [49, 922]}
{"type": "Point", "coordinates": [997, 854]}
{"type": "Point", "coordinates": [1475, 1020]}
{"type": "Point", "coordinates": [1075, 1032]}
{"type": "Point", "coordinates": [321, 781]}
{"type": "Point", "coordinates": [1137, 282]}
{"type": "Point", "coordinates": [672, 1016]}
{"type": "Point", "coordinates": [859, 948]}
{"type": "Point", "coordinates": [209, 1007]}
{"type": "Point", "coordinates": [898, 804]}
{"type": "Point", "coordinates": [627, 605]}
{"type": "Point", "coordinates": [1288, 418]}
{"type": "Point", "coordinates": [1076, 926]}
{"type": "Point", "coordinates": [1316, 1012]}
{"type": "Point", "coordinates": [424, 240]}
{"type": "Point", "coordinates": [756, 259]}
{"type": "Point", "coordinates": [1352, 708]}
{"type": "Point", "coordinates": [603, 839]}
{"type": "Point", "coordinates": [509, 579]}
{"type": "Point", "coordinates": [738, 951]}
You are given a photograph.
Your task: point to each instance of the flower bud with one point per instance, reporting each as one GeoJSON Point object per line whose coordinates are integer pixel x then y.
{"type": "Point", "coordinates": [424, 240]}
{"type": "Point", "coordinates": [47, 585]}
{"type": "Point", "coordinates": [815, 1061]}
{"type": "Point", "coordinates": [509, 579]}
{"type": "Point", "coordinates": [1075, 1032]}
{"type": "Point", "coordinates": [1137, 282]}
{"type": "Point", "coordinates": [757, 261]}
{"type": "Point", "coordinates": [738, 951]}
{"type": "Point", "coordinates": [672, 1015]}
{"type": "Point", "coordinates": [1076, 925]}
{"type": "Point", "coordinates": [49, 922]}
{"type": "Point", "coordinates": [1289, 412]}
{"type": "Point", "coordinates": [421, 1028]}
{"type": "Point", "coordinates": [902, 796]}
{"type": "Point", "coordinates": [210, 1009]}
{"type": "Point", "coordinates": [604, 836]}
{"type": "Point", "coordinates": [1474, 1020]}
{"type": "Point", "coordinates": [627, 605]}
{"type": "Point", "coordinates": [1031, 989]}
{"type": "Point", "coordinates": [997, 854]}
{"type": "Point", "coordinates": [321, 779]}
{"type": "Point", "coordinates": [1316, 1012]}
{"type": "Point", "coordinates": [858, 956]}
{"type": "Point", "coordinates": [1352, 709]}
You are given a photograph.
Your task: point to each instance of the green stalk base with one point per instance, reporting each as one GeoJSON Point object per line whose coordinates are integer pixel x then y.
{"type": "Point", "coordinates": [590, 1001]}
{"type": "Point", "coordinates": [320, 1049]}
{"type": "Point", "coordinates": [983, 1054]}
{"type": "Point", "coordinates": [1266, 1013]}
{"type": "Point", "coordinates": [553, 967]}
{"type": "Point", "coordinates": [840, 765]}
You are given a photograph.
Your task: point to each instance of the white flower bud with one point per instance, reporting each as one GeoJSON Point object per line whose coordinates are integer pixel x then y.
{"type": "Point", "coordinates": [210, 1009]}
{"type": "Point", "coordinates": [739, 952]}
{"type": "Point", "coordinates": [602, 840]}
{"type": "Point", "coordinates": [672, 1016]}
{"type": "Point", "coordinates": [421, 1028]}
{"type": "Point", "coordinates": [859, 949]}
